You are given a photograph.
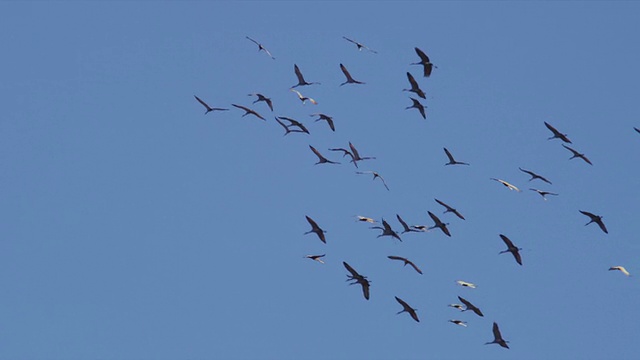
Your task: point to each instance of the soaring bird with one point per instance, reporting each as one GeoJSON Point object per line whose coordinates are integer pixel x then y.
{"type": "Point", "coordinates": [263, 98]}
{"type": "Point", "coordinates": [260, 47]}
{"type": "Point", "coordinates": [557, 134]}
{"type": "Point", "coordinates": [453, 161]}
{"type": "Point", "coordinates": [457, 306]}
{"type": "Point", "coordinates": [621, 269]}
{"type": "Point", "coordinates": [543, 193]}
{"type": "Point", "coordinates": [344, 151]}
{"type": "Point", "coordinates": [408, 309]}
{"type": "Point", "coordinates": [248, 111]}
{"type": "Point", "coordinates": [387, 230]}
{"type": "Point", "coordinates": [466, 284]}
{"type": "Point", "coordinates": [209, 108]}
{"type": "Point", "coordinates": [304, 98]}
{"type": "Point", "coordinates": [419, 106]}
{"type": "Point", "coordinates": [293, 122]}
{"type": "Point", "coordinates": [350, 79]}
{"type": "Point", "coordinates": [375, 175]}
{"type": "Point", "coordinates": [596, 219]}
{"type": "Point", "coordinates": [357, 279]}
{"type": "Point", "coordinates": [301, 80]}
{"type": "Point", "coordinates": [497, 338]}
{"type": "Point", "coordinates": [512, 249]}
{"type": "Point", "coordinates": [450, 209]}
{"type": "Point", "coordinates": [316, 229]}
{"type": "Point", "coordinates": [534, 175]}
{"type": "Point", "coordinates": [321, 159]}
{"type": "Point", "coordinates": [316, 258]}
{"type": "Point", "coordinates": [326, 118]}
{"type": "Point", "coordinates": [365, 219]}
{"type": "Point", "coordinates": [359, 45]}
{"type": "Point", "coordinates": [577, 155]}
{"type": "Point", "coordinates": [509, 186]}
{"type": "Point", "coordinates": [414, 86]}
{"type": "Point", "coordinates": [356, 156]}
{"type": "Point", "coordinates": [439, 224]}
{"type": "Point", "coordinates": [425, 62]}
{"type": "Point", "coordinates": [470, 306]}
{"type": "Point", "coordinates": [287, 128]}
{"type": "Point", "coordinates": [459, 322]}
{"type": "Point", "coordinates": [406, 262]}
{"type": "Point", "coordinates": [405, 226]}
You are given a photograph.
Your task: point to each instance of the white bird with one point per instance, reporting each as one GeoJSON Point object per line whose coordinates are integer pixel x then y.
{"type": "Point", "coordinates": [261, 48]}
{"type": "Point", "coordinates": [359, 45]}
{"type": "Point", "coordinates": [304, 98]}
{"type": "Point", "coordinates": [509, 186]}
{"type": "Point", "coordinates": [316, 258]}
{"type": "Point", "coordinates": [466, 284]}
{"type": "Point", "coordinates": [621, 269]}
{"type": "Point", "coordinates": [459, 322]}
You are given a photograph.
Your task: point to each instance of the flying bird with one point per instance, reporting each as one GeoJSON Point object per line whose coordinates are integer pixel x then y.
{"type": "Point", "coordinates": [375, 175]}
{"type": "Point", "coordinates": [450, 209]}
{"type": "Point", "coordinates": [621, 269]}
{"type": "Point", "coordinates": [543, 193]}
{"type": "Point", "coordinates": [470, 306]}
{"type": "Point", "coordinates": [350, 79]}
{"type": "Point", "coordinates": [304, 98]}
{"type": "Point", "coordinates": [512, 249]}
{"type": "Point", "coordinates": [414, 86]}
{"type": "Point", "coordinates": [321, 159]}
{"type": "Point", "coordinates": [248, 111]}
{"type": "Point", "coordinates": [459, 322]}
{"type": "Point", "coordinates": [326, 118]}
{"type": "Point", "coordinates": [316, 258]}
{"type": "Point", "coordinates": [209, 108]}
{"type": "Point", "coordinates": [387, 230]}
{"type": "Point", "coordinates": [466, 284]}
{"type": "Point", "coordinates": [425, 62]}
{"type": "Point", "coordinates": [596, 219]}
{"type": "Point", "coordinates": [263, 98]}
{"type": "Point", "coordinates": [261, 48]}
{"type": "Point", "coordinates": [358, 279]}
{"type": "Point", "coordinates": [301, 80]}
{"type": "Point", "coordinates": [408, 309]}
{"type": "Point", "coordinates": [457, 306]}
{"type": "Point", "coordinates": [497, 338]}
{"type": "Point", "coordinates": [509, 186]}
{"type": "Point", "coordinates": [557, 134]}
{"type": "Point", "coordinates": [293, 122]}
{"type": "Point", "coordinates": [534, 175]}
{"type": "Point", "coordinates": [356, 156]}
{"type": "Point", "coordinates": [286, 127]}
{"type": "Point", "coordinates": [406, 262]}
{"type": "Point", "coordinates": [359, 45]}
{"type": "Point", "coordinates": [453, 161]}
{"type": "Point", "coordinates": [316, 229]}
{"type": "Point", "coordinates": [439, 224]}
{"type": "Point", "coordinates": [405, 226]}
{"type": "Point", "coordinates": [577, 155]}
{"type": "Point", "coordinates": [365, 219]}
{"type": "Point", "coordinates": [419, 106]}
{"type": "Point", "coordinates": [421, 228]}
{"type": "Point", "coordinates": [344, 151]}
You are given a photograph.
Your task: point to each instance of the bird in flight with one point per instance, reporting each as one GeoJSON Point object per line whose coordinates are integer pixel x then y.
{"type": "Point", "coordinates": [408, 309]}
{"type": "Point", "coordinates": [316, 229]}
{"type": "Point", "coordinates": [419, 106]}
{"type": "Point", "coordinates": [577, 154]}
{"type": "Point", "coordinates": [326, 118]}
{"type": "Point", "coordinates": [534, 175]}
{"type": "Point", "coordinates": [511, 248]}
{"type": "Point", "coordinates": [263, 98]}
{"type": "Point", "coordinates": [406, 262]}
{"type": "Point", "coordinates": [248, 111]}
{"type": "Point", "coordinates": [261, 48]}
{"type": "Point", "coordinates": [450, 209]}
{"type": "Point", "coordinates": [470, 306]}
{"type": "Point", "coordinates": [596, 219]}
{"type": "Point", "coordinates": [287, 128]}
{"type": "Point", "coordinates": [405, 226]}
{"type": "Point", "coordinates": [557, 134]}
{"type": "Point", "coordinates": [453, 161]}
{"type": "Point", "coordinates": [304, 98]}
{"type": "Point", "coordinates": [497, 337]}
{"type": "Point", "coordinates": [621, 269]}
{"type": "Point", "coordinates": [375, 175]}
{"type": "Point", "coordinates": [293, 122]}
{"type": "Point", "coordinates": [543, 193]}
{"type": "Point", "coordinates": [301, 80]}
{"type": "Point", "coordinates": [321, 159]}
{"type": "Point", "coordinates": [459, 322]}
{"type": "Point", "coordinates": [511, 187]}
{"type": "Point", "coordinates": [425, 62]}
{"type": "Point", "coordinates": [350, 79]}
{"type": "Point", "coordinates": [414, 86]}
{"type": "Point", "coordinates": [439, 224]}
{"type": "Point", "coordinates": [359, 45]}
{"type": "Point", "coordinates": [356, 156]}
{"type": "Point", "coordinates": [209, 108]}
{"type": "Point", "coordinates": [317, 258]}
{"type": "Point", "coordinates": [387, 230]}
{"type": "Point", "coordinates": [357, 279]}
{"type": "Point", "coordinates": [365, 219]}
{"type": "Point", "coordinates": [466, 284]}
{"type": "Point", "coordinates": [457, 306]}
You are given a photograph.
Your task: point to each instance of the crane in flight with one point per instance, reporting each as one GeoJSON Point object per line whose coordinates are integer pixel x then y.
{"type": "Point", "coordinates": [408, 309]}
{"type": "Point", "coordinates": [206, 106]}
{"type": "Point", "coordinates": [356, 156]}
{"type": "Point", "coordinates": [465, 284]}
{"type": "Point", "coordinates": [557, 134]}
{"type": "Point", "coordinates": [439, 224]}
{"type": "Point", "coordinates": [470, 306]}
{"type": "Point", "coordinates": [321, 159]}
{"type": "Point", "coordinates": [595, 219]}
{"type": "Point", "coordinates": [287, 128]}
{"type": "Point", "coordinates": [301, 80]}
{"type": "Point", "coordinates": [304, 98]}
{"type": "Point", "coordinates": [621, 269]}
{"type": "Point", "coordinates": [419, 106]}
{"type": "Point", "coordinates": [317, 258]}
{"type": "Point", "coordinates": [406, 227]}
{"type": "Point", "coordinates": [453, 161]}
{"type": "Point", "coordinates": [576, 154]}
{"type": "Point", "coordinates": [248, 111]}
{"type": "Point", "coordinates": [450, 209]}
{"type": "Point", "coordinates": [359, 45]}
{"type": "Point", "coordinates": [326, 118]}
{"type": "Point", "coordinates": [316, 229]}
{"type": "Point", "coordinates": [425, 62]}
{"type": "Point", "coordinates": [459, 322]}
{"type": "Point", "coordinates": [375, 176]}
{"type": "Point", "coordinates": [512, 249]}
{"type": "Point", "coordinates": [261, 47]}
{"type": "Point", "coordinates": [497, 337]}
{"type": "Point", "coordinates": [543, 193]}
{"type": "Point", "coordinates": [386, 230]}
{"type": "Point", "coordinates": [350, 79]}
{"type": "Point", "coordinates": [534, 175]}
{"type": "Point", "coordinates": [357, 279]}
{"type": "Point", "coordinates": [406, 262]}
{"type": "Point", "coordinates": [263, 98]}
{"type": "Point", "coordinates": [415, 88]}
{"type": "Point", "coordinates": [293, 122]}
{"type": "Point", "coordinates": [509, 186]}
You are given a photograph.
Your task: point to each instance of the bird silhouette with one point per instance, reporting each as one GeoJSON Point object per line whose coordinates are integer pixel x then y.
{"type": "Point", "coordinates": [350, 79]}
{"type": "Point", "coordinates": [359, 45]}
{"type": "Point", "coordinates": [425, 62]}
{"type": "Point", "coordinates": [406, 262]}
{"type": "Point", "coordinates": [470, 306]}
{"type": "Point", "coordinates": [304, 98]}
{"type": "Point", "coordinates": [595, 219]}
{"type": "Point", "coordinates": [316, 258]}
{"type": "Point", "coordinates": [344, 151]}
{"type": "Point", "coordinates": [509, 186]}
{"type": "Point", "coordinates": [453, 161]}
{"type": "Point", "coordinates": [497, 337]}
{"type": "Point", "coordinates": [301, 80]}
{"type": "Point", "coordinates": [263, 98]}
{"type": "Point", "coordinates": [543, 193]}
{"type": "Point", "coordinates": [621, 269]}
{"type": "Point", "coordinates": [407, 308]}
{"type": "Point", "coordinates": [248, 111]}
{"type": "Point", "coordinates": [287, 128]}
{"type": "Point", "coordinates": [326, 118]}
{"type": "Point", "coordinates": [321, 159]}
{"type": "Point", "coordinates": [512, 249]}
{"type": "Point", "coordinates": [357, 279]}
{"type": "Point", "coordinates": [261, 48]}
{"type": "Point", "coordinates": [209, 108]}
{"type": "Point", "coordinates": [316, 229]}
{"type": "Point", "coordinates": [439, 224]}
{"type": "Point", "coordinates": [419, 106]}
{"type": "Point", "coordinates": [387, 230]}
{"type": "Point", "coordinates": [577, 155]}
{"type": "Point", "coordinates": [356, 156]}
{"type": "Point", "coordinates": [405, 226]}
{"type": "Point", "coordinates": [293, 122]}
{"type": "Point", "coordinates": [450, 209]}
{"type": "Point", "coordinates": [534, 175]}
{"type": "Point", "coordinates": [459, 322]}
{"type": "Point", "coordinates": [465, 284]}
{"type": "Point", "coordinates": [375, 175]}
{"type": "Point", "coordinates": [557, 134]}
{"type": "Point", "coordinates": [415, 88]}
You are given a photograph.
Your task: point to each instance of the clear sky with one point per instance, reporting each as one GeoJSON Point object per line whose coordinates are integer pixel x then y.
{"type": "Point", "coordinates": [136, 227]}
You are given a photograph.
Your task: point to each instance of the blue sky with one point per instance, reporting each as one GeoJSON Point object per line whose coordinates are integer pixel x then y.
{"type": "Point", "coordinates": [134, 226]}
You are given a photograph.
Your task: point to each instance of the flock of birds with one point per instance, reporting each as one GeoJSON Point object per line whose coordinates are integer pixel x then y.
{"type": "Point", "coordinates": [291, 125]}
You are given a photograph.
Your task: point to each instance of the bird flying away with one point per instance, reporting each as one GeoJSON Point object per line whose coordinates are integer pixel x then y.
{"type": "Point", "coordinates": [316, 229]}
{"type": "Point", "coordinates": [357, 279]}
{"type": "Point", "coordinates": [512, 249]}
{"type": "Point", "coordinates": [450, 209]}
{"type": "Point", "coordinates": [425, 62]}
{"type": "Point", "coordinates": [261, 48]}
{"type": "Point", "coordinates": [359, 45]}
{"type": "Point", "coordinates": [534, 175]}
{"type": "Point", "coordinates": [596, 219]}
{"type": "Point", "coordinates": [577, 155]}
{"type": "Point", "coordinates": [459, 322]}
{"type": "Point", "coordinates": [497, 337]}
{"type": "Point", "coordinates": [248, 111]}
{"type": "Point", "coordinates": [406, 262]}
{"type": "Point", "coordinates": [407, 308]}
{"type": "Point", "coordinates": [557, 134]}
{"type": "Point", "coordinates": [209, 108]}
{"type": "Point", "coordinates": [419, 106]}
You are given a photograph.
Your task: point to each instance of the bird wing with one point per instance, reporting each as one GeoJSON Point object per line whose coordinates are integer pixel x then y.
{"type": "Point", "coordinates": [394, 257]}
{"type": "Point", "coordinates": [314, 225]}
{"type": "Point", "coordinates": [322, 158]}
{"type": "Point", "coordinates": [422, 55]}
{"type": "Point", "coordinates": [451, 159]}
{"type": "Point", "coordinates": [349, 40]}
{"type": "Point", "coordinates": [434, 218]}
{"type": "Point", "coordinates": [496, 332]}
{"type": "Point", "coordinates": [384, 182]}
{"type": "Point", "coordinates": [516, 254]}
{"type": "Point", "coordinates": [553, 130]}
{"type": "Point", "coordinates": [445, 205]}
{"type": "Point", "coordinates": [296, 69]}
{"type": "Point", "coordinates": [202, 102]}
{"type": "Point", "coordinates": [602, 227]}
{"type": "Point", "coordinates": [414, 266]}
{"type": "Point", "coordinates": [350, 269]}
{"type": "Point", "coordinates": [412, 81]}
{"type": "Point", "coordinates": [257, 43]}
{"type": "Point", "coordinates": [269, 102]}
{"type": "Point", "coordinates": [356, 156]}
{"type": "Point", "coordinates": [465, 302]}
{"type": "Point", "coordinates": [507, 241]}
{"type": "Point", "coordinates": [591, 215]}
{"type": "Point", "coordinates": [346, 73]}
{"type": "Point", "coordinates": [404, 224]}
{"type": "Point", "coordinates": [365, 288]}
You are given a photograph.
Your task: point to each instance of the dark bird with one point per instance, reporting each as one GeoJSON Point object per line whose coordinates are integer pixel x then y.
{"type": "Point", "coordinates": [286, 127]}
{"type": "Point", "coordinates": [304, 98]}
{"type": "Point", "coordinates": [543, 193]}
{"type": "Point", "coordinates": [356, 156]}
{"type": "Point", "coordinates": [293, 122]}
{"type": "Point", "coordinates": [359, 45]}
{"type": "Point", "coordinates": [414, 86]}
{"type": "Point", "coordinates": [452, 161]}
{"type": "Point", "coordinates": [261, 48]}
{"type": "Point", "coordinates": [248, 111]}
{"type": "Point", "coordinates": [408, 309]}
{"type": "Point", "coordinates": [263, 98]}
{"type": "Point", "coordinates": [316, 229]}
{"type": "Point", "coordinates": [470, 306]}
{"type": "Point", "coordinates": [321, 158]}
{"type": "Point", "coordinates": [449, 209]}
{"type": "Point", "coordinates": [419, 106]}
{"type": "Point", "coordinates": [512, 249]}
{"type": "Point", "coordinates": [316, 258]}
{"type": "Point", "coordinates": [577, 155]}
{"type": "Point", "coordinates": [405, 226]}
{"type": "Point", "coordinates": [557, 134]}
{"type": "Point", "coordinates": [534, 175]}
{"type": "Point", "coordinates": [425, 62]}
{"type": "Point", "coordinates": [375, 175]}
{"type": "Point", "coordinates": [344, 151]}
{"type": "Point", "coordinates": [350, 79]}
{"type": "Point", "coordinates": [301, 80]}
{"type": "Point", "coordinates": [459, 322]}
{"type": "Point", "coordinates": [209, 108]}
{"type": "Point", "coordinates": [439, 224]}
{"type": "Point", "coordinates": [357, 279]}
{"type": "Point", "coordinates": [406, 262]}
{"type": "Point", "coordinates": [326, 118]}
{"type": "Point", "coordinates": [387, 230]}
{"type": "Point", "coordinates": [497, 338]}
{"type": "Point", "coordinates": [596, 219]}
{"type": "Point", "coordinates": [509, 186]}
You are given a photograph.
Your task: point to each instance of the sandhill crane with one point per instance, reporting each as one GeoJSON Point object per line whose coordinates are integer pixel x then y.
{"type": "Point", "coordinates": [405, 226]}
{"type": "Point", "coordinates": [350, 79]}
{"type": "Point", "coordinates": [286, 127]}
{"type": "Point", "coordinates": [421, 228]}
{"type": "Point", "coordinates": [365, 219]}
{"type": "Point", "coordinates": [263, 98]}
{"type": "Point", "coordinates": [357, 279]}
{"type": "Point", "coordinates": [406, 262]}
{"type": "Point", "coordinates": [344, 151]}
{"type": "Point", "coordinates": [316, 229]}
{"type": "Point", "coordinates": [557, 134]}
{"type": "Point", "coordinates": [359, 45]}
{"type": "Point", "coordinates": [509, 186]}
{"type": "Point", "coordinates": [419, 106]}
{"type": "Point", "coordinates": [375, 175]}
{"type": "Point", "coordinates": [248, 111]}
{"type": "Point", "coordinates": [439, 224]}
{"type": "Point", "coordinates": [387, 230]}
{"type": "Point", "coordinates": [457, 306]}
{"type": "Point", "coordinates": [425, 62]}
{"type": "Point", "coordinates": [497, 337]}
{"type": "Point", "coordinates": [621, 269]}
{"type": "Point", "coordinates": [543, 193]}
{"type": "Point", "coordinates": [293, 122]}
{"type": "Point", "coordinates": [459, 322]}
{"type": "Point", "coordinates": [356, 156]}
{"type": "Point", "coordinates": [596, 219]}
{"type": "Point", "coordinates": [260, 47]}
{"type": "Point", "coordinates": [470, 306]}
{"type": "Point", "coordinates": [466, 284]}
{"type": "Point", "coordinates": [414, 86]}
{"type": "Point", "coordinates": [453, 161]}
{"type": "Point", "coordinates": [450, 209]}
{"type": "Point", "coordinates": [534, 175]}
{"type": "Point", "coordinates": [577, 154]}
{"type": "Point", "coordinates": [321, 159]}
{"type": "Point", "coordinates": [209, 108]}
{"type": "Point", "coordinates": [304, 98]}
{"type": "Point", "coordinates": [326, 118]}
{"type": "Point", "coordinates": [316, 258]}
{"type": "Point", "coordinates": [301, 80]}
{"type": "Point", "coordinates": [407, 308]}
{"type": "Point", "coordinates": [512, 249]}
